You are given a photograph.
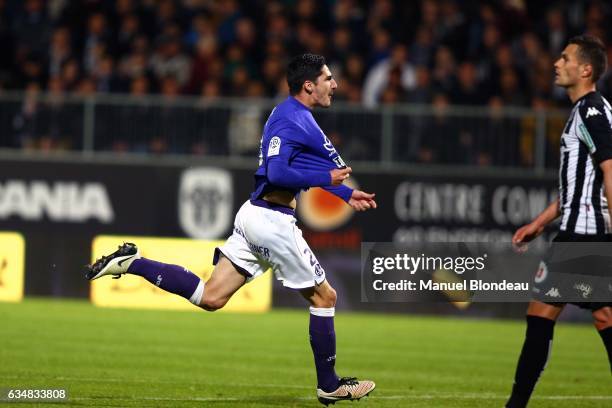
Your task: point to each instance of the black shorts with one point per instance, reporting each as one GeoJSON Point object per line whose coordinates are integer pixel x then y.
{"type": "Point", "coordinates": [570, 273]}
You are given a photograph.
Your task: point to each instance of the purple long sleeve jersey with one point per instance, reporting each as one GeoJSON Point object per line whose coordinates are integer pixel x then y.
{"type": "Point", "coordinates": [295, 154]}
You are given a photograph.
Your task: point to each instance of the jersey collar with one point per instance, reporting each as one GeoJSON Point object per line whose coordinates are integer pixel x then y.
{"type": "Point", "coordinates": [297, 103]}
{"type": "Point", "coordinates": [584, 97]}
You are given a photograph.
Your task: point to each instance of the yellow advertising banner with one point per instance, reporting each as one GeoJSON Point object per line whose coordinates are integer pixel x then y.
{"type": "Point", "coordinates": [195, 255]}
{"type": "Point", "coordinates": [12, 255]}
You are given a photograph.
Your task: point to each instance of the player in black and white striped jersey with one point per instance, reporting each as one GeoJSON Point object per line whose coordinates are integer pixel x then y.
{"type": "Point", "coordinates": [586, 142]}
{"type": "Point", "coordinates": [585, 188]}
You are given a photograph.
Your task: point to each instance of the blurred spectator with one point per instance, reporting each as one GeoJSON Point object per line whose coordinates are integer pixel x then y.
{"type": "Point", "coordinates": [128, 31]}
{"type": "Point", "coordinates": [554, 31]}
{"type": "Point", "coordinates": [422, 93]}
{"type": "Point", "coordinates": [247, 39]}
{"type": "Point", "coordinates": [97, 41]}
{"type": "Point", "coordinates": [60, 50]}
{"type": "Point", "coordinates": [205, 54]}
{"type": "Point", "coordinates": [510, 90]}
{"type": "Point", "coordinates": [378, 77]}
{"type": "Point", "coordinates": [422, 48]}
{"type": "Point", "coordinates": [31, 27]}
{"type": "Point", "coordinates": [136, 63]}
{"type": "Point", "coordinates": [70, 73]}
{"type": "Point", "coordinates": [272, 72]}
{"type": "Point", "coordinates": [169, 60]}
{"type": "Point", "coordinates": [105, 77]}
{"type": "Point", "coordinates": [444, 69]}
{"type": "Point", "coordinates": [31, 70]}
{"type": "Point", "coordinates": [354, 69]}
{"type": "Point", "coordinates": [436, 149]}
{"type": "Point", "coordinates": [467, 90]}
{"type": "Point", "coordinates": [380, 47]}
{"type": "Point", "coordinates": [25, 122]}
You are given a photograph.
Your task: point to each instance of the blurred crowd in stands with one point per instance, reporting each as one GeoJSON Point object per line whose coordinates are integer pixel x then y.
{"type": "Point", "coordinates": [381, 51]}
{"type": "Point", "coordinates": [439, 52]}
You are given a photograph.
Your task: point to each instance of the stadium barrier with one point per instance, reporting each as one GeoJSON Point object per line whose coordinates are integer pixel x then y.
{"type": "Point", "coordinates": [390, 135]}
{"type": "Point", "coordinates": [61, 203]}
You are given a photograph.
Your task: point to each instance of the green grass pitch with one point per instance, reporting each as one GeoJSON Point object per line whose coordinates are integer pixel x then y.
{"type": "Point", "coordinates": [129, 358]}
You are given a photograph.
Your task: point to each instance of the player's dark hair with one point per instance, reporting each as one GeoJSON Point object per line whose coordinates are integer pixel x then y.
{"type": "Point", "coordinates": [591, 50]}
{"type": "Point", "coordinates": [302, 68]}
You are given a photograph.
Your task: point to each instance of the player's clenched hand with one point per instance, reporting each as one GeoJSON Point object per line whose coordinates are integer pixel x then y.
{"type": "Point", "coordinates": [339, 175]}
{"type": "Point", "coordinates": [525, 234]}
{"type": "Point", "coordinates": [361, 201]}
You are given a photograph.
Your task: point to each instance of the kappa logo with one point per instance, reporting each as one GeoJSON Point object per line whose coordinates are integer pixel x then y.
{"type": "Point", "coordinates": [554, 293]}
{"type": "Point", "coordinates": [159, 280]}
{"type": "Point", "coordinates": [206, 202]}
{"type": "Point", "coordinates": [592, 112]}
{"type": "Point", "coordinates": [585, 288]}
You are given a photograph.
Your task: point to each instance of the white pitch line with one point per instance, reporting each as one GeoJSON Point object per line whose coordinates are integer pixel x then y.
{"type": "Point", "coordinates": [378, 397]}
{"type": "Point", "coordinates": [441, 395]}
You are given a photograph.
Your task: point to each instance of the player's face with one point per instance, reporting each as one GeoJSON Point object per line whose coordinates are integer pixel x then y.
{"type": "Point", "coordinates": [324, 88]}
{"type": "Point", "coordinates": [568, 68]}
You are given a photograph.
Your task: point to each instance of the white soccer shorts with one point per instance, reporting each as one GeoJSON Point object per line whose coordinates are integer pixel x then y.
{"type": "Point", "coordinates": [268, 238]}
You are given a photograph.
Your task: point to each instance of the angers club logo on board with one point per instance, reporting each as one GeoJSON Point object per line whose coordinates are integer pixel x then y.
{"type": "Point", "coordinates": [205, 202]}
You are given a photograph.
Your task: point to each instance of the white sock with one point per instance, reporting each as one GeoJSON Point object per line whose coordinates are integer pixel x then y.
{"type": "Point", "coordinates": [323, 311]}
{"type": "Point", "coordinates": [196, 298]}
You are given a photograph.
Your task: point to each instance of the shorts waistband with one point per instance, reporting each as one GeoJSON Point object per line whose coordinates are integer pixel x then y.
{"type": "Point", "coordinates": [274, 207]}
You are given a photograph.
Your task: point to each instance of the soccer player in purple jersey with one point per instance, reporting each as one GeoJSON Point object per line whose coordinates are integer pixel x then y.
{"type": "Point", "coordinates": [295, 155]}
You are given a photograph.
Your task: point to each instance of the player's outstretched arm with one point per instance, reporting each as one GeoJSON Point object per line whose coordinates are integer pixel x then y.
{"type": "Point", "coordinates": [532, 230]}
{"type": "Point", "coordinates": [361, 201]}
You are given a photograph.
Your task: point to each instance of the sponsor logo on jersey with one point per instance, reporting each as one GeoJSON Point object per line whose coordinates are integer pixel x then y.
{"type": "Point", "coordinates": [328, 145]}
{"type": "Point", "coordinates": [592, 112]}
{"type": "Point", "coordinates": [585, 288]}
{"type": "Point", "coordinates": [339, 162]}
{"type": "Point", "coordinates": [274, 146]}
{"type": "Point", "coordinates": [205, 202]}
